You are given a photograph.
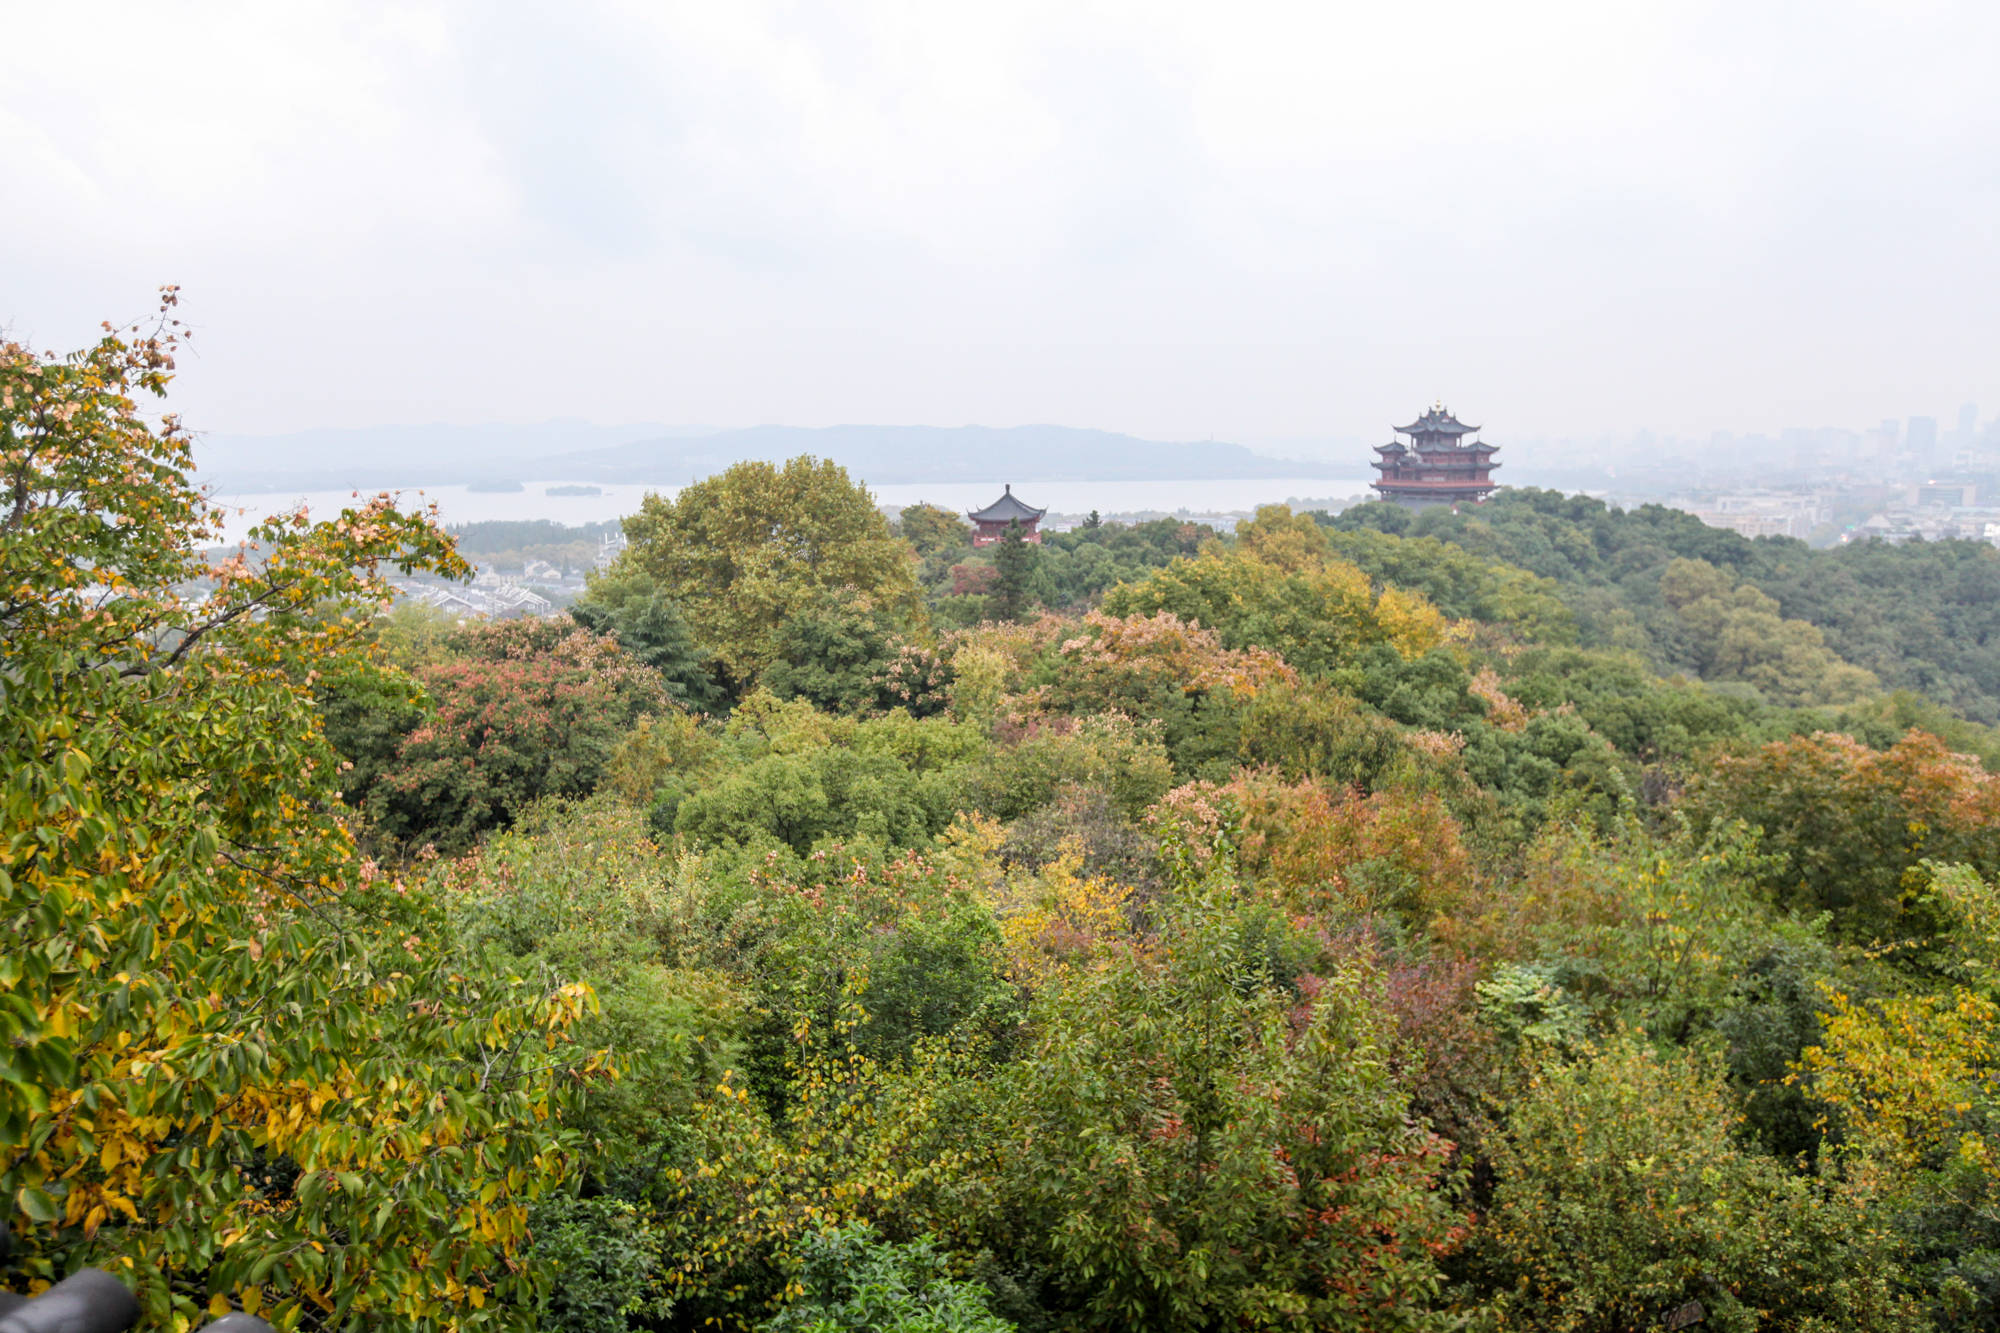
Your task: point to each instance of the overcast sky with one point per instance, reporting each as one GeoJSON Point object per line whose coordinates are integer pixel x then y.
{"type": "Point", "coordinates": [1245, 221]}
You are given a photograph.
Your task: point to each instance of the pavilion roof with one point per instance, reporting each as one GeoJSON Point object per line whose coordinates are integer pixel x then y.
{"type": "Point", "coordinates": [1006, 509]}
{"type": "Point", "coordinates": [1437, 421]}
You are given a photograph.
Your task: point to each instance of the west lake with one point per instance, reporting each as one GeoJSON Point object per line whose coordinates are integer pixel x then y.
{"type": "Point", "coordinates": [460, 504]}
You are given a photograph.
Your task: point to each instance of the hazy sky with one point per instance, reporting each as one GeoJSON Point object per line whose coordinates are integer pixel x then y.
{"type": "Point", "coordinates": [1234, 220]}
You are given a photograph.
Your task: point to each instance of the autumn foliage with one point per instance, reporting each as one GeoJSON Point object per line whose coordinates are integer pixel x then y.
{"type": "Point", "coordinates": [522, 710]}
{"type": "Point", "coordinates": [238, 1063]}
{"type": "Point", "coordinates": [1854, 826]}
{"type": "Point", "coordinates": [1331, 926]}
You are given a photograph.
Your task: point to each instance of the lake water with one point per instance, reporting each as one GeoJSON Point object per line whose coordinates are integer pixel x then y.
{"type": "Point", "coordinates": [457, 504]}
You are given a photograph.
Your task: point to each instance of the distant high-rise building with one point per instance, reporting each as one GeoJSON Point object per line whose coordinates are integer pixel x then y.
{"type": "Point", "coordinates": [1968, 420]}
{"type": "Point", "coordinates": [1920, 437]}
{"type": "Point", "coordinates": [1799, 447]}
{"type": "Point", "coordinates": [1882, 441]}
{"type": "Point", "coordinates": [1835, 440]}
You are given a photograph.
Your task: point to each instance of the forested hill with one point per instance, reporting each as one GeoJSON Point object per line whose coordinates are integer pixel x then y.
{"type": "Point", "coordinates": [1923, 616]}
{"type": "Point", "coordinates": [834, 925]}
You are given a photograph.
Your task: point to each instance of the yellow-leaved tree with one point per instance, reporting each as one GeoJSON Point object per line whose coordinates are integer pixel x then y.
{"type": "Point", "coordinates": [1281, 588]}
{"type": "Point", "coordinates": [1914, 1080]}
{"type": "Point", "coordinates": [238, 1064]}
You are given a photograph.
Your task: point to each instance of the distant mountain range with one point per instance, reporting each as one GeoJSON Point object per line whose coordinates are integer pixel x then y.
{"type": "Point", "coordinates": [672, 456]}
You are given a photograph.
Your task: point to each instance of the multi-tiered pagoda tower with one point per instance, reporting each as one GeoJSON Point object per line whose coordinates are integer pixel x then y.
{"type": "Point", "coordinates": [1438, 466]}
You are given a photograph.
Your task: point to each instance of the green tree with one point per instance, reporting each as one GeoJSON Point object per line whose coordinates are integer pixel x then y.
{"type": "Point", "coordinates": [603, 1257]}
{"type": "Point", "coordinates": [1921, 616]}
{"type": "Point", "coordinates": [1854, 831]}
{"type": "Point", "coordinates": [1077, 567]}
{"type": "Point", "coordinates": [1156, 667]}
{"type": "Point", "coordinates": [934, 531]}
{"type": "Point", "coordinates": [649, 625]}
{"type": "Point", "coordinates": [1913, 1078]}
{"type": "Point", "coordinates": [740, 552]}
{"type": "Point", "coordinates": [833, 653]}
{"type": "Point", "coordinates": [1282, 594]}
{"type": "Point", "coordinates": [1014, 562]}
{"type": "Point", "coordinates": [1622, 1197]}
{"type": "Point", "coordinates": [579, 890]}
{"type": "Point", "coordinates": [1735, 632]}
{"type": "Point", "coordinates": [1460, 584]}
{"type": "Point", "coordinates": [236, 1062]}
{"type": "Point", "coordinates": [1190, 1145]}
{"type": "Point", "coordinates": [1106, 752]}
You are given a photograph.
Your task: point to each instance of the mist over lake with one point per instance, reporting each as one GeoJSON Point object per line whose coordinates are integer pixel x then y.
{"type": "Point", "coordinates": [462, 504]}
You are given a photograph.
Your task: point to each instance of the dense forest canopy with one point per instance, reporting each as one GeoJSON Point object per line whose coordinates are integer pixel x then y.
{"type": "Point", "coordinates": [1541, 917]}
{"type": "Point", "coordinates": [1923, 616]}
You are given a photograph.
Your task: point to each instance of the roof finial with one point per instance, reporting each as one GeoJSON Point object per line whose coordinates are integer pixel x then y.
{"type": "Point", "coordinates": [1009, 488]}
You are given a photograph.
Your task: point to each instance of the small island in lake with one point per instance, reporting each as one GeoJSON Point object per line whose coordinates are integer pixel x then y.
{"type": "Point", "coordinates": [495, 486]}
{"type": "Point", "coordinates": [574, 490]}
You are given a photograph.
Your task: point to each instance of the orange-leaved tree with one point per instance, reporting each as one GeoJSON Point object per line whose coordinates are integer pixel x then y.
{"type": "Point", "coordinates": [1855, 829]}
{"type": "Point", "coordinates": [237, 1063]}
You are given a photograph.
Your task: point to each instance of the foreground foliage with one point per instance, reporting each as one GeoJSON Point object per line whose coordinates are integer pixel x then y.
{"type": "Point", "coordinates": [239, 1063]}
{"type": "Point", "coordinates": [1330, 927]}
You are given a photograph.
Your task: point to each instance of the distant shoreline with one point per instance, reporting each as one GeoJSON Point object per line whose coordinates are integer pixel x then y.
{"type": "Point", "coordinates": [234, 483]}
{"type": "Point", "coordinates": [1191, 496]}
{"type": "Point", "coordinates": [443, 456]}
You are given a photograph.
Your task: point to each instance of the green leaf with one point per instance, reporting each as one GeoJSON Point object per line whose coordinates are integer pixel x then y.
{"type": "Point", "coordinates": [37, 1204]}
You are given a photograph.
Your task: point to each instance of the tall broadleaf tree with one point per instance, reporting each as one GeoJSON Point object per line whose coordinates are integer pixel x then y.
{"type": "Point", "coordinates": [235, 1068]}
{"type": "Point", "coordinates": [739, 553]}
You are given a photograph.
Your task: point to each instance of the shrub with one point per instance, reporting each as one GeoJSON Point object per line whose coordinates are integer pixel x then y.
{"type": "Point", "coordinates": [1621, 1196]}
{"type": "Point", "coordinates": [1188, 1144]}
{"type": "Point", "coordinates": [602, 1259]}
{"type": "Point", "coordinates": [1110, 752]}
{"type": "Point", "coordinates": [850, 1280]}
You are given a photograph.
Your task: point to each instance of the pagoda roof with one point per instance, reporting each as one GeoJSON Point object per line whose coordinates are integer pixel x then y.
{"type": "Point", "coordinates": [1006, 509]}
{"type": "Point", "coordinates": [1437, 421]}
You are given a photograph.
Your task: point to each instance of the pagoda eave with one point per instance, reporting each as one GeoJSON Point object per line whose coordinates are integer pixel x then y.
{"type": "Point", "coordinates": [1457, 490]}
